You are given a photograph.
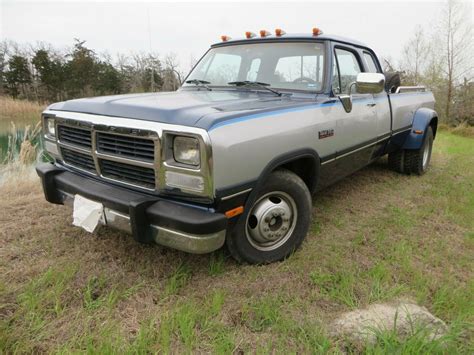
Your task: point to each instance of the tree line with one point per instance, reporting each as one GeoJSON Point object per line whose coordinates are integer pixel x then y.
{"type": "Point", "coordinates": [46, 74]}
{"type": "Point", "coordinates": [440, 58]}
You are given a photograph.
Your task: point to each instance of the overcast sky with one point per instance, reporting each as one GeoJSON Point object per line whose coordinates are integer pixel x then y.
{"type": "Point", "coordinates": [189, 28]}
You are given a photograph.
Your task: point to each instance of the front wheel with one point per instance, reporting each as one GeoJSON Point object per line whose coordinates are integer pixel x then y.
{"type": "Point", "coordinates": [277, 222]}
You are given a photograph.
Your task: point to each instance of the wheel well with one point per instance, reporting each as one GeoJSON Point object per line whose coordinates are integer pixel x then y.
{"type": "Point", "coordinates": [434, 125]}
{"type": "Point", "coordinates": [305, 168]}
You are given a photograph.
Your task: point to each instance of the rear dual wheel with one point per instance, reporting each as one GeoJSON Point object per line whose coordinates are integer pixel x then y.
{"type": "Point", "coordinates": [413, 161]}
{"type": "Point", "coordinates": [277, 222]}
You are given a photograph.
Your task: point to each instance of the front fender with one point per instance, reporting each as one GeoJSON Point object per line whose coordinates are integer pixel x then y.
{"type": "Point", "coordinates": [423, 118]}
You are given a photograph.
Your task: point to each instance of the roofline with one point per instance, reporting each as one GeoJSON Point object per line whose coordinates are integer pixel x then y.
{"type": "Point", "coordinates": [290, 38]}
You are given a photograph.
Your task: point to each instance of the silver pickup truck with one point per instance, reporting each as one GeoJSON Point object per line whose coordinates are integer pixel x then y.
{"type": "Point", "coordinates": [234, 156]}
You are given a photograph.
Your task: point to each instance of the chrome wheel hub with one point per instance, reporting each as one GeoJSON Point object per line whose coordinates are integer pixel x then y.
{"type": "Point", "coordinates": [271, 221]}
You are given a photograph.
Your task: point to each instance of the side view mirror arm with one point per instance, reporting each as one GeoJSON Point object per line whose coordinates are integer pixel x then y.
{"type": "Point", "coordinates": [346, 101]}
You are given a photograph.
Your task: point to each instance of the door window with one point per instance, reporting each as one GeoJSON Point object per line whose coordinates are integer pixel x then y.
{"type": "Point", "coordinates": [347, 69]}
{"type": "Point", "coordinates": [370, 62]}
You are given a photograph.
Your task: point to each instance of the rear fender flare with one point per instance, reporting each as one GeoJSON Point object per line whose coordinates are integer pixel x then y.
{"type": "Point", "coordinates": [423, 118]}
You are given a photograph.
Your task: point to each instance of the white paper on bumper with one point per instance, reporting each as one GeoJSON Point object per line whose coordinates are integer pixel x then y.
{"type": "Point", "coordinates": [87, 213]}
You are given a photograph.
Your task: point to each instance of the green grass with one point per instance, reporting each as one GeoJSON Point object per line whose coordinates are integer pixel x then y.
{"type": "Point", "coordinates": [216, 263]}
{"type": "Point", "coordinates": [178, 279]}
{"type": "Point", "coordinates": [376, 237]}
{"type": "Point", "coordinates": [419, 341]}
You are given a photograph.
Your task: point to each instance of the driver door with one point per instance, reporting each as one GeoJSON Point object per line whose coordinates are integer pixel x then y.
{"type": "Point", "coordinates": [356, 130]}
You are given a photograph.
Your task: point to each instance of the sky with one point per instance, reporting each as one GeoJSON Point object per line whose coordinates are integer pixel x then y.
{"type": "Point", "coordinates": [188, 28]}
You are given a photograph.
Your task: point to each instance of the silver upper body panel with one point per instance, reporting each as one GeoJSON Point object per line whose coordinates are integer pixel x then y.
{"type": "Point", "coordinates": [243, 147]}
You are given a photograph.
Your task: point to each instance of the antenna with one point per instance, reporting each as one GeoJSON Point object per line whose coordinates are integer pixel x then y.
{"type": "Point", "coordinates": [152, 86]}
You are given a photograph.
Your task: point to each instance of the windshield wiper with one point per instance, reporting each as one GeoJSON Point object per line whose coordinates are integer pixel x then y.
{"type": "Point", "coordinates": [199, 83]}
{"type": "Point", "coordinates": [255, 83]}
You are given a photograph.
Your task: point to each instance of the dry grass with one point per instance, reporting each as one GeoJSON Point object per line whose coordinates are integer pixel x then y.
{"type": "Point", "coordinates": [21, 112]}
{"type": "Point", "coordinates": [462, 129]}
{"type": "Point", "coordinates": [22, 149]}
{"type": "Point", "coordinates": [376, 236]}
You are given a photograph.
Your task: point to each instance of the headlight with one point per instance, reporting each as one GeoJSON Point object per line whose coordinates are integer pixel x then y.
{"type": "Point", "coordinates": [186, 150]}
{"type": "Point", "coordinates": [50, 127]}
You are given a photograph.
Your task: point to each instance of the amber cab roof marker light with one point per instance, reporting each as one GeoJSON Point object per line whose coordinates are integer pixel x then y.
{"type": "Point", "coordinates": [317, 31]}
{"type": "Point", "coordinates": [249, 35]}
{"type": "Point", "coordinates": [225, 38]}
{"type": "Point", "coordinates": [264, 33]}
{"type": "Point", "coordinates": [279, 32]}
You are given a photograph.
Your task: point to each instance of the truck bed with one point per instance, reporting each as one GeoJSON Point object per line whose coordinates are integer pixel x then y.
{"type": "Point", "coordinates": [405, 104]}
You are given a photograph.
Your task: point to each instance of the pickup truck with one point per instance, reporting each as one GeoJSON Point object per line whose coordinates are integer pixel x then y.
{"type": "Point", "coordinates": [233, 157]}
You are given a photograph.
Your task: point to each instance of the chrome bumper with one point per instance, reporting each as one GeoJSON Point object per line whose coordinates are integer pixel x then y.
{"type": "Point", "coordinates": [196, 244]}
{"type": "Point", "coordinates": [188, 227]}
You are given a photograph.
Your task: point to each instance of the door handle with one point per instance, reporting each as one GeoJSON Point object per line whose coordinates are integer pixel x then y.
{"type": "Point", "coordinates": [371, 104]}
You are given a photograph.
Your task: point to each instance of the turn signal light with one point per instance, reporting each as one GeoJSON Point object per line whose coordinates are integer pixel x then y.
{"type": "Point", "coordinates": [225, 38]}
{"type": "Point", "coordinates": [279, 32]}
{"type": "Point", "coordinates": [234, 212]}
{"type": "Point", "coordinates": [317, 31]}
{"type": "Point", "coordinates": [249, 34]}
{"type": "Point", "coordinates": [264, 33]}
{"type": "Point", "coordinates": [417, 131]}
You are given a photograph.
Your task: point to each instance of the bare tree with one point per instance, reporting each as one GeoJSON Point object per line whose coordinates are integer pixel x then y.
{"type": "Point", "coordinates": [456, 29]}
{"type": "Point", "coordinates": [415, 57]}
{"type": "Point", "coordinates": [387, 64]}
{"type": "Point", "coordinates": [172, 64]}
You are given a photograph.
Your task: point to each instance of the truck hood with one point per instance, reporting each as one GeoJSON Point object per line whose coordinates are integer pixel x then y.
{"type": "Point", "coordinates": [184, 107]}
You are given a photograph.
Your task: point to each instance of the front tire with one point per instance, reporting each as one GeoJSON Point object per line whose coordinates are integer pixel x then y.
{"type": "Point", "coordinates": [277, 222]}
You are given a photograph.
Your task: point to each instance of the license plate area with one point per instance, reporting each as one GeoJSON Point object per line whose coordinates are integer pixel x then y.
{"type": "Point", "coordinates": [87, 214]}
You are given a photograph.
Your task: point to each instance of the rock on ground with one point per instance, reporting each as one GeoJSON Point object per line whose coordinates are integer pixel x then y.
{"type": "Point", "coordinates": [360, 326]}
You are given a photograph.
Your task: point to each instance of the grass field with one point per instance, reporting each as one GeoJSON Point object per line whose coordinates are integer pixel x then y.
{"type": "Point", "coordinates": [376, 236]}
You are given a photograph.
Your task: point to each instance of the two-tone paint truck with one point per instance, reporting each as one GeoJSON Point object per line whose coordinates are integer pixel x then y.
{"type": "Point", "coordinates": [233, 157]}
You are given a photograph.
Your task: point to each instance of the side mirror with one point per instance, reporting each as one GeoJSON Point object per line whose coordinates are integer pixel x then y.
{"type": "Point", "coordinates": [370, 83]}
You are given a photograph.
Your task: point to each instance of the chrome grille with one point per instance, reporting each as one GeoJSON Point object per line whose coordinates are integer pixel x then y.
{"type": "Point", "coordinates": [126, 146]}
{"type": "Point", "coordinates": [131, 174]}
{"type": "Point", "coordinates": [126, 156]}
{"type": "Point", "coordinates": [76, 147]}
{"type": "Point", "coordinates": [75, 136]}
{"type": "Point", "coordinates": [79, 160]}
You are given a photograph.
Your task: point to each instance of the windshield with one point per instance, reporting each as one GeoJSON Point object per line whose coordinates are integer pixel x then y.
{"type": "Point", "coordinates": [292, 66]}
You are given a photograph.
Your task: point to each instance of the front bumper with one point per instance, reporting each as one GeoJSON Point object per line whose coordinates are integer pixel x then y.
{"type": "Point", "coordinates": [148, 218]}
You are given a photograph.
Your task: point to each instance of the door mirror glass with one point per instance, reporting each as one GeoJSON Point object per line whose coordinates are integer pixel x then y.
{"type": "Point", "coordinates": [370, 83]}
